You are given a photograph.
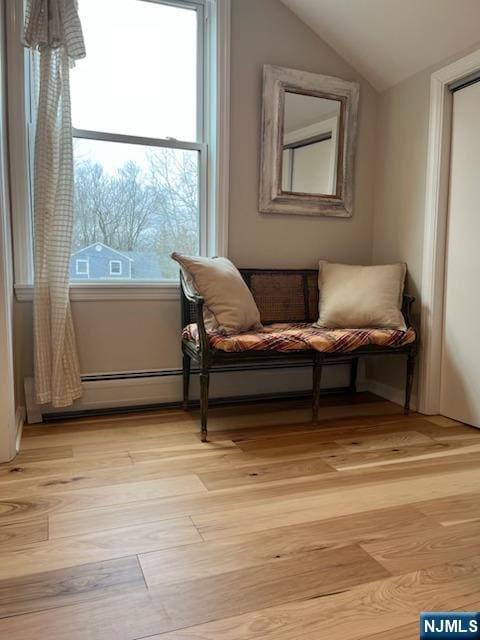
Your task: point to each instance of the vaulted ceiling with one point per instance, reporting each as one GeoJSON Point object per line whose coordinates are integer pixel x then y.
{"type": "Point", "coordinates": [390, 40]}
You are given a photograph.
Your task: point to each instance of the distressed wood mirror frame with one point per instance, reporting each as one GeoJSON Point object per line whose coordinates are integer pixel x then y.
{"type": "Point", "coordinates": [273, 199]}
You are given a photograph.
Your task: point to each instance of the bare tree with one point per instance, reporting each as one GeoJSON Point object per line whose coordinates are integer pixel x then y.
{"type": "Point", "coordinates": [152, 209]}
{"type": "Point", "coordinates": [135, 206]}
{"type": "Point", "coordinates": [173, 176]}
{"type": "Point", "coordinates": [115, 210]}
{"type": "Point", "coordinates": [92, 205]}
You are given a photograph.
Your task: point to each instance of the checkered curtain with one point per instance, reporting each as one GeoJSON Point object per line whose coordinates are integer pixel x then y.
{"type": "Point", "coordinates": [54, 31]}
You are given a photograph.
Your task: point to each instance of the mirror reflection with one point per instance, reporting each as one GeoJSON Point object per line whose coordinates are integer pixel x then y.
{"type": "Point", "coordinates": [310, 144]}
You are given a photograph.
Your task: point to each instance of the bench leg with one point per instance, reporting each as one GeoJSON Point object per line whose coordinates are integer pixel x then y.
{"type": "Point", "coordinates": [409, 380]}
{"type": "Point", "coordinates": [353, 375]}
{"type": "Point", "coordinates": [204, 384]}
{"type": "Point", "coordinates": [186, 380]}
{"type": "Point", "coordinates": [317, 381]}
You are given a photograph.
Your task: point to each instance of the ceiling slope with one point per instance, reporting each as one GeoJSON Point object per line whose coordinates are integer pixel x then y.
{"type": "Point", "coordinates": [390, 40]}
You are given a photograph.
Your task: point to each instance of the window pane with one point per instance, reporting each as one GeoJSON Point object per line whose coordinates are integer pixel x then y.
{"type": "Point", "coordinates": [140, 74]}
{"type": "Point", "coordinates": [135, 205]}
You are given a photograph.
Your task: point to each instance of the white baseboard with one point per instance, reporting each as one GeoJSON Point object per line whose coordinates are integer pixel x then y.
{"type": "Point", "coordinates": [391, 393]}
{"type": "Point", "coordinates": [125, 392]}
{"type": "Point", "coordinates": [106, 394]}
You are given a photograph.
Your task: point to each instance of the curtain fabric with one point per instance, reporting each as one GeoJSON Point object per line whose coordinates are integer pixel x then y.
{"type": "Point", "coordinates": [53, 29]}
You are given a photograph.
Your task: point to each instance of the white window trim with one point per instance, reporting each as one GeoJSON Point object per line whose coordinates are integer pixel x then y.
{"type": "Point", "coordinates": [115, 262]}
{"type": "Point", "coordinates": [217, 127]}
{"type": "Point", "coordinates": [83, 261]}
{"type": "Point", "coordinates": [10, 425]}
{"type": "Point", "coordinates": [20, 143]}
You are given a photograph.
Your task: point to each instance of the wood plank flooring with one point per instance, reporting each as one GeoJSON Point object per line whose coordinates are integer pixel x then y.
{"type": "Point", "coordinates": [129, 528]}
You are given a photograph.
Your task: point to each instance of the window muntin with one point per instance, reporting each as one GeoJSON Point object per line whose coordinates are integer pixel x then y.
{"type": "Point", "coordinates": [139, 159]}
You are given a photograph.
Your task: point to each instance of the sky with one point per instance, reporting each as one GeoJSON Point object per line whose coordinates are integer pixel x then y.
{"type": "Point", "coordinates": [139, 76]}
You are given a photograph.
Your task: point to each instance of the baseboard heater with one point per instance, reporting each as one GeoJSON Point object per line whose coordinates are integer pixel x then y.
{"type": "Point", "coordinates": [149, 390]}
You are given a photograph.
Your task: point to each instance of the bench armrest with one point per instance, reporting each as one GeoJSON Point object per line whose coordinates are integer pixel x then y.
{"type": "Point", "coordinates": [407, 309]}
{"type": "Point", "coordinates": [198, 301]}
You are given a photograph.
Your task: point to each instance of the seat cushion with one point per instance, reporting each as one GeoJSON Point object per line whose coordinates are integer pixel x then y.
{"type": "Point", "coordinates": [302, 336]}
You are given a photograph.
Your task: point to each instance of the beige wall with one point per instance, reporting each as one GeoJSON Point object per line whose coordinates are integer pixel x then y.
{"type": "Point", "coordinates": [112, 336]}
{"type": "Point", "coordinates": [124, 336]}
{"type": "Point", "coordinates": [400, 176]}
{"type": "Point", "coordinates": [266, 32]}
{"type": "Point", "coordinates": [401, 162]}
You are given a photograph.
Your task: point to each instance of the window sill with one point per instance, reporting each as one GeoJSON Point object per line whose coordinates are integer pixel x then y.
{"type": "Point", "coordinates": [102, 291]}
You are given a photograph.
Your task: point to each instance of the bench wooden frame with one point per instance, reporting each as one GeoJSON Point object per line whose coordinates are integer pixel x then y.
{"type": "Point", "coordinates": [210, 359]}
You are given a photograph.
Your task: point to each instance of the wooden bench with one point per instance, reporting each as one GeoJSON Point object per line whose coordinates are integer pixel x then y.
{"type": "Point", "coordinates": [284, 296]}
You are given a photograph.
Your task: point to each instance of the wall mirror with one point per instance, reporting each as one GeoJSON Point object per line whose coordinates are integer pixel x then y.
{"type": "Point", "coordinates": [308, 143]}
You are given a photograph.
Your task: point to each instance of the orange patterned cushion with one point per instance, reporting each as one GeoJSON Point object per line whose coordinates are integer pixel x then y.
{"type": "Point", "coordinates": [302, 336]}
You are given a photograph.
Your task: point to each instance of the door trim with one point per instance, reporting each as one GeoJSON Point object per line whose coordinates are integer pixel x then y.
{"type": "Point", "coordinates": [435, 229]}
{"type": "Point", "coordinates": [8, 421]}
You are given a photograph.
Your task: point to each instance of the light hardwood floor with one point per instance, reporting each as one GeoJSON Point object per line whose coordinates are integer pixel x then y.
{"type": "Point", "coordinates": [123, 528]}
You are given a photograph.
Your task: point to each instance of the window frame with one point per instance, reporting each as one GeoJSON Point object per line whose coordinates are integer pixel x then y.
{"type": "Point", "coordinates": [83, 261]}
{"type": "Point", "coordinates": [199, 145]}
{"type": "Point", "coordinates": [117, 262]}
{"type": "Point", "coordinates": [213, 89]}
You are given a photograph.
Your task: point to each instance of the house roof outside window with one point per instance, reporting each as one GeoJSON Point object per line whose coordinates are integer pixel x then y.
{"type": "Point", "coordinates": [136, 265]}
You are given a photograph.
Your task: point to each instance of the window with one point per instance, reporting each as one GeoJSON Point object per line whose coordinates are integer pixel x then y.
{"type": "Point", "coordinates": [115, 268]}
{"type": "Point", "coordinates": [138, 117]}
{"type": "Point", "coordinates": [150, 107]}
{"type": "Point", "coordinates": [81, 267]}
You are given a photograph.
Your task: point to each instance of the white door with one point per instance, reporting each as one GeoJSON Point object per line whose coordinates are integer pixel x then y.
{"type": "Point", "coordinates": [460, 375]}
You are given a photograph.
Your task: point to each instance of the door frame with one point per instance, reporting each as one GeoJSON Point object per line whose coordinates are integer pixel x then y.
{"type": "Point", "coordinates": [8, 417]}
{"type": "Point", "coordinates": [435, 229]}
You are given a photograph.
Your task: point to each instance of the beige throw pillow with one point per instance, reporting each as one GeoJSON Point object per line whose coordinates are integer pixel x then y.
{"type": "Point", "coordinates": [230, 304]}
{"type": "Point", "coordinates": [353, 296]}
